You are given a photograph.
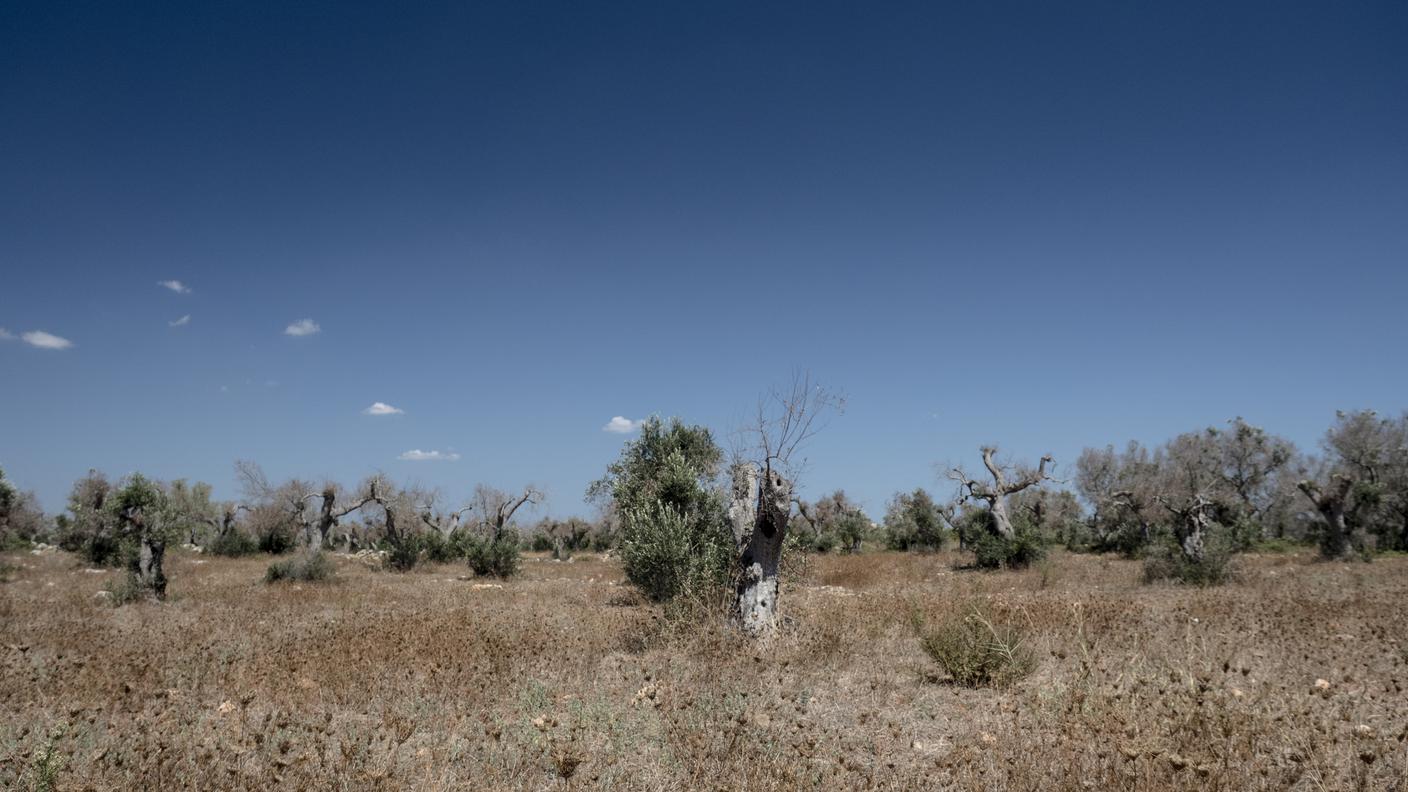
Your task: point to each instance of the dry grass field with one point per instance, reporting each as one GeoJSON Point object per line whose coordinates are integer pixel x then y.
{"type": "Point", "coordinates": [563, 679]}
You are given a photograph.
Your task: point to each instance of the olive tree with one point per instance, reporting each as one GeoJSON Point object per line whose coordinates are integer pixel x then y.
{"type": "Point", "coordinates": [671, 525]}
{"type": "Point", "coordinates": [834, 522]}
{"type": "Point", "coordinates": [493, 548]}
{"type": "Point", "coordinates": [333, 507]}
{"type": "Point", "coordinates": [149, 514]}
{"type": "Point", "coordinates": [89, 528]}
{"type": "Point", "coordinates": [1359, 491]}
{"type": "Point", "coordinates": [913, 521]}
{"type": "Point", "coordinates": [1120, 489]}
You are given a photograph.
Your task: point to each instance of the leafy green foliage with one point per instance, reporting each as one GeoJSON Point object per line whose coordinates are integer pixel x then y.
{"type": "Point", "coordinates": [670, 553]}
{"type": "Point", "coordinates": [913, 522]}
{"type": "Point", "coordinates": [493, 556]}
{"type": "Point", "coordinates": [276, 539]}
{"type": "Point", "coordinates": [1167, 561]}
{"type": "Point", "coordinates": [673, 532]}
{"type": "Point", "coordinates": [991, 550]}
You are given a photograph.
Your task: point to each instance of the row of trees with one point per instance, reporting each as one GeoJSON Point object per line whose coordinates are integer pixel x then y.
{"type": "Point", "coordinates": [694, 524]}
{"type": "Point", "coordinates": [1185, 506]}
{"type": "Point", "coordinates": [130, 522]}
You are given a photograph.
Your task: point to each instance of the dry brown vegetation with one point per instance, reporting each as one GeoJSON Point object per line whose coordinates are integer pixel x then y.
{"type": "Point", "coordinates": [563, 679]}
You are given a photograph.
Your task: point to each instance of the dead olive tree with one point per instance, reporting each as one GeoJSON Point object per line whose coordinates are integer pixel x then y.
{"type": "Point", "coordinates": [1332, 501]}
{"type": "Point", "coordinates": [494, 508]}
{"type": "Point", "coordinates": [1003, 485]}
{"type": "Point", "coordinates": [330, 512]}
{"type": "Point", "coordinates": [447, 524]}
{"type": "Point", "coordinates": [761, 497]}
{"type": "Point", "coordinates": [494, 548]}
{"type": "Point", "coordinates": [277, 514]}
{"type": "Point", "coordinates": [1192, 519]}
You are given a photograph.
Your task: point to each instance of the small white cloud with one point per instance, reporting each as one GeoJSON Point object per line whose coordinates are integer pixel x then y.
{"type": "Point", "coordinates": [417, 455]}
{"type": "Point", "coordinates": [303, 327]}
{"type": "Point", "coordinates": [182, 322]}
{"type": "Point", "coordinates": [621, 425]}
{"type": "Point", "coordinates": [45, 340]}
{"type": "Point", "coordinates": [175, 285]}
{"type": "Point", "coordinates": [382, 408]}
{"type": "Point", "coordinates": [6, 335]}
{"type": "Point", "coordinates": [224, 388]}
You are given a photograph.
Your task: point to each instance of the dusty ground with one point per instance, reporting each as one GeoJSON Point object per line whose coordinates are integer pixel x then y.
{"type": "Point", "coordinates": [562, 679]}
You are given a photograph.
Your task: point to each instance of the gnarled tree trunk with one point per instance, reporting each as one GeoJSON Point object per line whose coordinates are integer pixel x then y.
{"type": "Point", "coordinates": [1192, 525]}
{"type": "Point", "coordinates": [759, 514]}
{"type": "Point", "coordinates": [996, 493]}
{"type": "Point", "coordinates": [1337, 541]}
{"type": "Point", "coordinates": [149, 572]}
{"type": "Point", "coordinates": [1001, 520]}
{"type": "Point", "coordinates": [329, 515]}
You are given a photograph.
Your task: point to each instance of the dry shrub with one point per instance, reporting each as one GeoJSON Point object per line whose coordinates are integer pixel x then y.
{"type": "Point", "coordinates": [976, 649]}
{"type": "Point", "coordinates": [305, 567]}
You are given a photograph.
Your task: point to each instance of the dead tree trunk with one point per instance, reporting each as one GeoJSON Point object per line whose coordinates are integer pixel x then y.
{"type": "Point", "coordinates": [225, 525]}
{"type": "Point", "coordinates": [1332, 503]}
{"type": "Point", "coordinates": [149, 572]}
{"type": "Point", "coordinates": [759, 515]}
{"type": "Point", "coordinates": [996, 493]}
{"type": "Point", "coordinates": [444, 524]}
{"type": "Point", "coordinates": [329, 515]}
{"type": "Point", "coordinates": [1191, 526]}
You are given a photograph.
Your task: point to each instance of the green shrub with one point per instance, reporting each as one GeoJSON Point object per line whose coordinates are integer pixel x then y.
{"type": "Point", "coordinates": [104, 550]}
{"type": "Point", "coordinates": [437, 549]}
{"type": "Point", "coordinates": [306, 567]}
{"type": "Point", "coordinates": [992, 551]}
{"type": "Point", "coordinates": [672, 527]}
{"type": "Point", "coordinates": [403, 556]}
{"type": "Point", "coordinates": [913, 522]}
{"type": "Point", "coordinates": [276, 541]}
{"type": "Point", "coordinates": [1167, 561]}
{"type": "Point", "coordinates": [1278, 546]}
{"type": "Point", "coordinates": [976, 649]}
{"type": "Point", "coordinates": [493, 556]}
{"type": "Point", "coordinates": [823, 542]}
{"type": "Point", "coordinates": [233, 544]}
{"type": "Point", "coordinates": [128, 589]}
{"type": "Point", "coordinates": [669, 553]}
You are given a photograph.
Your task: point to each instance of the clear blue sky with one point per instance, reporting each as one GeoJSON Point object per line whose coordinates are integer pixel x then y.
{"type": "Point", "coordinates": [1041, 225]}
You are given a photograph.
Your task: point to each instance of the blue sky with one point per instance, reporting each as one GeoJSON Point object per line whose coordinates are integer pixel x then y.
{"type": "Point", "coordinates": [1046, 226]}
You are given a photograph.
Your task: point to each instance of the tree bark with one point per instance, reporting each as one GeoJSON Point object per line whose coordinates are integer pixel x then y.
{"type": "Point", "coordinates": [760, 558]}
{"type": "Point", "coordinates": [1192, 526]}
{"type": "Point", "coordinates": [328, 517]}
{"type": "Point", "coordinates": [150, 576]}
{"type": "Point", "coordinates": [1002, 522]}
{"type": "Point", "coordinates": [1337, 541]}
{"type": "Point", "coordinates": [996, 494]}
